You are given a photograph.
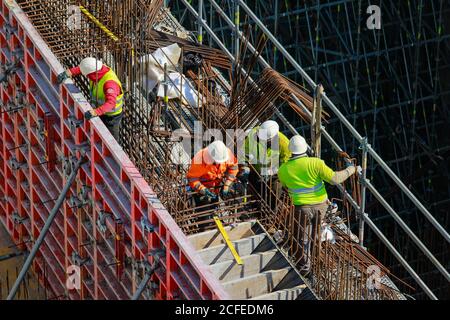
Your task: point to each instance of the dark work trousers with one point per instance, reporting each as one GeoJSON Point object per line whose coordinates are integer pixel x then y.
{"type": "Point", "coordinates": [307, 222]}
{"type": "Point", "coordinates": [113, 124]}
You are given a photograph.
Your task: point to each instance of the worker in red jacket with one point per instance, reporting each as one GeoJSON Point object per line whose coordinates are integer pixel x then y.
{"type": "Point", "coordinates": [105, 89]}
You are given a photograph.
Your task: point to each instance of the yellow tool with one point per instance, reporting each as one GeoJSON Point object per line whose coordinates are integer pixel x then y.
{"type": "Point", "coordinates": [227, 240]}
{"type": "Point", "coordinates": [99, 24]}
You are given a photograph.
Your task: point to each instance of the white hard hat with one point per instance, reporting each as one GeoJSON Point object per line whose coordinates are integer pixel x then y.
{"type": "Point", "coordinates": [90, 65]}
{"type": "Point", "coordinates": [218, 151]}
{"type": "Point", "coordinates": [298, 145]}
{"type": "Point", "coordinates": [268, 130]}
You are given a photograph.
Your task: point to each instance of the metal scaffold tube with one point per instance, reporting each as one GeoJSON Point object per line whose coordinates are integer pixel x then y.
{"type": "Point", "coordinates": [333, 143]}
{"type": "Point", "coordinates": [45, 229]}
{"type": "Point", "coordinates": [346, 123]}
{"type": "Point", "coordinates": [403, 225]}
{"type": "Point", "coordinates": [389, 245]}
{"type": "Point", "coordinates": [149, 271]}
{"type": "Point", "coordinates": [177, 87]}
{"type": "Point", "coordinates": [142, 286]}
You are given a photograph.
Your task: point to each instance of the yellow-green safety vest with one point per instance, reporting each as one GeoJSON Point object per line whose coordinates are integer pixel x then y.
{"type": "Point", "coordinates": [304, 178]}
{"type": "Point", "coordinates": [262, 157]}
{"type": "Point", "coordinates": [98, 96]}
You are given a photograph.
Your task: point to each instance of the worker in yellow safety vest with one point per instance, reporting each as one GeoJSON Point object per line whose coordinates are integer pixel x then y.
{"type": "Point", "coordinates": [105, 90]}
{"type": "Point", "coordinates": [304, 178]}
{"type": "Point", "coordinates": [266, 148]}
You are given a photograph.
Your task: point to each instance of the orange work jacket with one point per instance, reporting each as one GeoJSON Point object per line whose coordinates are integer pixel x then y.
{"type": "Point", "coordinates": [203, 173]}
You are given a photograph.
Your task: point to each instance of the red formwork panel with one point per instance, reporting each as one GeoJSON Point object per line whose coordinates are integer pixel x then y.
{"type": "Point", "coordinates": [111, 225]}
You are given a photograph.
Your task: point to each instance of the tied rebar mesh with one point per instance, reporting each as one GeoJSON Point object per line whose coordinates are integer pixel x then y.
{"type": "Point", "coordinates": [122, 34]}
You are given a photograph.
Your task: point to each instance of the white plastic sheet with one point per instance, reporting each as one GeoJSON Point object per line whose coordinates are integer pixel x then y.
{"type": "Point", "coordinates": [327, 234]}
{"type": "Point", "coordinates": [179, 85]}
{"type": "Point", "coordinates": [153, 65]}
{"type": "Point", "coordinates": [179, 156]}
{"type": "Point", "coordinates": [169, 56]}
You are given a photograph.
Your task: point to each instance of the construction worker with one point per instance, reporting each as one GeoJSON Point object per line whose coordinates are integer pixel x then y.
{"type": "Point", "coordinates": [259, 151]}
{"type": "Point", "coordinates": [210, 168]}
{"type": "Point", "coordinates": [304, 178]}
{"type": "Point", "coordinates": [106, 92]}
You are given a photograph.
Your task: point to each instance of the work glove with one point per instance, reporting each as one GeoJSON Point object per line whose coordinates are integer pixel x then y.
{"type": "Point", "coordinates": [359, 170]}
{"type": "Point", "coordinates": [88, 115]}
{"type": "Point", "coordinates": [244, 174]}
{"type": "Point", "coordinates": [210, 195]}
{"type": "Point", "coordinates": [62, 77]}
{"type": "Point", "coordinates": [225, 191]}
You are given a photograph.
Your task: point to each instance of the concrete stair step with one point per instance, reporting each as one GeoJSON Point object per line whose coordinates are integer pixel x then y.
{"type": "Point", "coordinates": [213, 238]}
{"type": "Point", "coordinates": [252, 264]}
{"type": "Point", "coordinates": [222, 253]}
{"type": "Point", "coordinates": [284, 294]}
{"type": "Point", "coordinates": [256, 285]}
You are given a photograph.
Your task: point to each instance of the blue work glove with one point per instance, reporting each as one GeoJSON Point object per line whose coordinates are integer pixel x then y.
{"type": "Point", "coordinates": [210, 195]}
{"type": "Point", "coordinates": [88, 115]}
{"type": "Point", "coordinates": [348, 164]}
{"type": "Point", "coordinates": [62, 77]}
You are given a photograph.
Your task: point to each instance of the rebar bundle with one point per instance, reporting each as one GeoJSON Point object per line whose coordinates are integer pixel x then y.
{"type": "Point", "coordinates": [390, 82]}
{"type": "Point", "coordinates": [259, 100]}
{"type": "Point", "coordinates": [121, 33]}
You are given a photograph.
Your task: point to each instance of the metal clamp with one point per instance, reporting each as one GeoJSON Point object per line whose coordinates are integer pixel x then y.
{"type": "Point", "coordinates": [9, 30]}
{"type": "Point", "coordinates": [74, 202]}
{"type": "Point", "coordinates": [18, 219]}
{"type": "Point", "coordinates": [83, 148]}
{"type": "Point", "coordinates": [84, 194]}
{"type": "Point", "coordinates": [20, 98]}
{"type": "Point", "coordinates": [16, 165]}
{"type": "Point", "coordinates": [78, 261]}
{"type": "Point", "coordinates": [74, 123]}
{"type": "Point", "coordinates": [40, 127]}
{"type": "Point", "coordinates": [18, 53]}
{"type": "Point", "coordinates": [9, 69]}
{"type": "Point", "coordinates": [365, 145]}
{"type": "Point", "coordinates": [101, 221]}
{"type": "Point", "coordinates": [364, 182]}
{"type": "Point", "coordinates": [146, 226]}
{"type": "Point", "coordinates": [68, 165]}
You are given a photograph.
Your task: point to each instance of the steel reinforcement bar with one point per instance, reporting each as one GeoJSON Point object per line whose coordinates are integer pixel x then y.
{"type": "Point", "coordinates": [111, 226]}
{"type": "Point", "coordinates": [367, 150]}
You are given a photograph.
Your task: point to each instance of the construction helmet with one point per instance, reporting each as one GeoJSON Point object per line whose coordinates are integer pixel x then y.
{"type": "Point", "coordinates": [298, 145]}
{"type": "Point", "coordinates": [90, 65]}
{"type": "Point", "coordinates": [218, 151]}
{"type": "Point", "coordinates": [268, 130]}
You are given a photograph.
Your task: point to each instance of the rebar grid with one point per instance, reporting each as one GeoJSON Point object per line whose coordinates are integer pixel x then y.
{"type": "Point", "coordinates": [147, 131]}
{"type": "Point", "coordinates": [391, 84]}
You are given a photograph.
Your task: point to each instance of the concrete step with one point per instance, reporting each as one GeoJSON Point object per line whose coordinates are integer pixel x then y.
{"type": "Point", "coordinates": [221, 253]}
{"type": "Point", "coordinates": [252, 264]}
{"type": "Point", "coordinates": [285, 294]}
{"type": "Point", "coordinates": [256, 285]}
{"type": "Point", "coordinates": [213, 238]}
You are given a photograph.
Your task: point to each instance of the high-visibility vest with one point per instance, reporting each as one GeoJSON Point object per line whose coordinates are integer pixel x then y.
{"type": "Point", "coordinates": [304, 178]}
{"type": "Point", "coordinates": [98, 96]}
{"type": "Point", "coordinates": [259, 156]}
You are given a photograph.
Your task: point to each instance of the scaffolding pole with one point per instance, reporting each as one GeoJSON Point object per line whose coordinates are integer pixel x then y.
{"type": "Point", "coordinates": [45, 229]}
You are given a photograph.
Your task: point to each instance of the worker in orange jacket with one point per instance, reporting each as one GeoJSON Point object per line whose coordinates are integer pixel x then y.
{"type": "Point", "coordinates": [212, 166]}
